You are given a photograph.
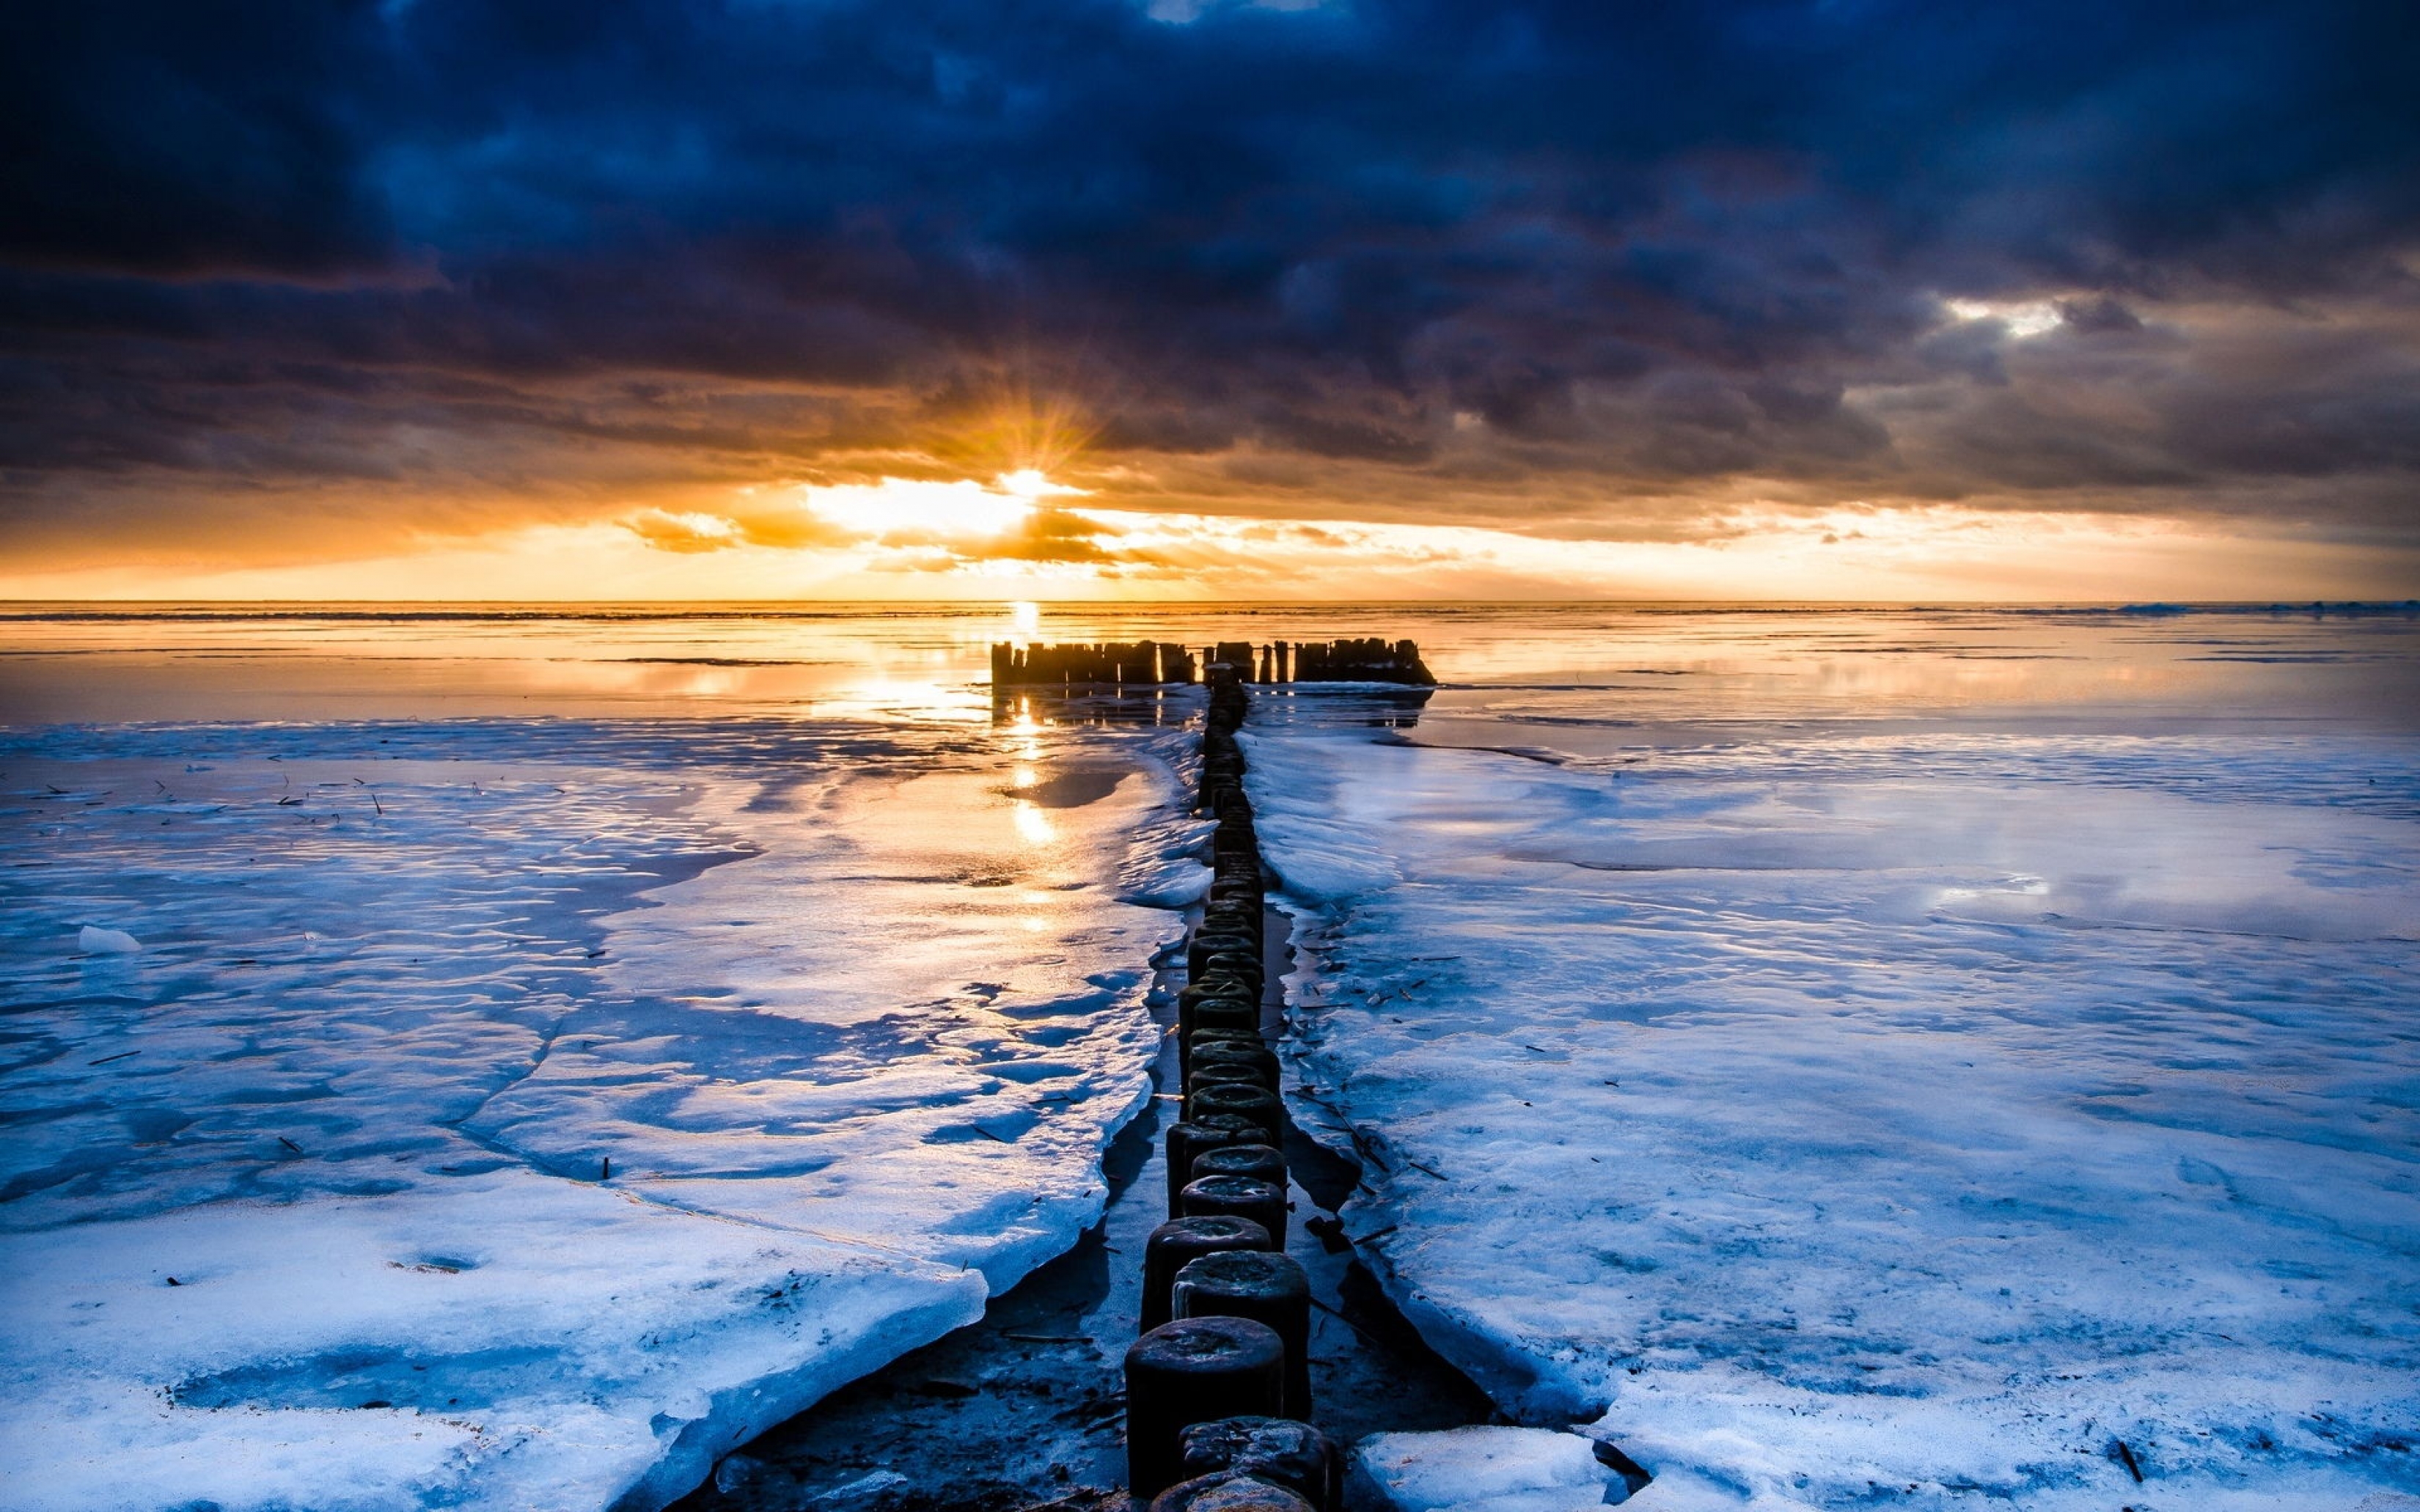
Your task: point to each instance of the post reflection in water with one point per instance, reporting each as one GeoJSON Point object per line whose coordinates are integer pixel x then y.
{"type": "Point", "coordinates": [1393, 708]}
{"type": "Point", "coordinates": [1028, 709]}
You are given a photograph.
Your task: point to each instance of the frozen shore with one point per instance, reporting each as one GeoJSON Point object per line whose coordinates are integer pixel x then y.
{"type": "Point", "coordinates": [1910, 1117]}
{"type": "Point", "coordinates": [523, 1115]}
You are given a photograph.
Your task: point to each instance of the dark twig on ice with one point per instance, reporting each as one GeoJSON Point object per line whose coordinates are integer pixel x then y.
{"type": "Point", "coordinates": [2126, 1457]}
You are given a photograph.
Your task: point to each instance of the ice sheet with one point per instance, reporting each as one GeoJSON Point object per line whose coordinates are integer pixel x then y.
{"type": "Point", "coordinates": [1483, 1470]}
{"type": "Point", "coordinates": [1912, 1117]}
{"type": "Point", "coordinates": [529, 1113]}
{"type": "Point", "coordinates": [505, 1341]}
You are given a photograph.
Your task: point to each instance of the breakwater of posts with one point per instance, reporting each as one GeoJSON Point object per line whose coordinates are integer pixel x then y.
{"type": "Point", "coordinates": [1161, 663]}
{"type": "Point", "coordinates": [1218, 1383]}
{"type": "Point", "coordinates": [1026, 1410]}
{"type": "Point", "coordinates": [1219, 1405]}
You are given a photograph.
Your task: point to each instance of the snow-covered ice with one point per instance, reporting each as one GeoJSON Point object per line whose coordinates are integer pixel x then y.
{"type": "Point", "coordinates": [508, 1340]}
{"type": "Point", "coordinates": [525, 1114]}
{"type": "Point", "coordinates": [1483, 1470]}
{"type": "Point", "coordinates": [1910, 1116]}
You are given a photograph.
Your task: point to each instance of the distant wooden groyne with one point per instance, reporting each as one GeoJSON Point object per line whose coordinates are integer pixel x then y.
{"type": "Point", "coordinates": [1160, 663]}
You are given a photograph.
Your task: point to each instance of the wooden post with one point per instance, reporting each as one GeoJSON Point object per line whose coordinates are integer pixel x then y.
{"type": "Point", "coordinates": [1273, 1449]}
{"type": "Point", "coordinates": [1266, 1288]}
{"type": "Point", "coordinates": [1231, 1493]}
{"type": "Point", "coordinates": [1197, 1370]}
{"type": "Point", "coordinates": [1257, 1103]}
{"type": "Point", "coordinates": [1237, 1196]}
{"type": "Point", "coordinates": [1177, 1244]}
{"type": "Point", "coordinates": [1262, 1163]}
{"type": "Point", "coordinates": [1188, 1142]}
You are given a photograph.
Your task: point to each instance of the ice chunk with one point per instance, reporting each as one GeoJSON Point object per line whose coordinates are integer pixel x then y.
{"type": "Point", "coordinates": [1484, 1470]}
{"type": "Point", "coordinates": [94, 940]}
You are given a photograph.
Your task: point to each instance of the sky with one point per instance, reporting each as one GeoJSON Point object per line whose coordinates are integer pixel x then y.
{"type": "Point", "coordinates": [1199, 299]}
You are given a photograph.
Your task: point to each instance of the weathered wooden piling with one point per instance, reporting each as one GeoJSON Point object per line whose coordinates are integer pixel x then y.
{"type": "Point", "coordinates": [1229, 1491]}
{"type": "Point", "coordinates": [1245, 1051]}
{"type": "Point", "coordinates": [1231, 1008]}
{"type": "Point", "coordinates": [1178, 1242]}
{"type": "Point", "coordinates": [1236, 655]}
{"type": "Point", "coordinates": [1162, 664]}
{"type": "Point", "coordinates": [1108, 663]}
{"type": "Point", "coordinates": [1363, 661]}
{"type": "Point", "coordinates": [1226, 1000]}
{"type": "Point", "coordinates": [1188, 1141]}
{"type": "Point", "coordinates": [1219, 1074]}
{"type": "Point", "coordinates": [1262, 1163]}
{"type": "Point", "coordinates": [1277, 1450]}
{"type": "Point", "coordinates": [1207, 941]}
{"type": "Point", "coordinates": [1245, 1035]}
{"type": "Point", "coordinates": [1194, 1370]}
{"type": "Point", "coordinates": [1239, 1196]}
{"type": "Point", "coordinates": [1266, 1288]}
{"type": "Point", "coordinates": [1257, 1103]}
{"type": "Point", "coordinates": [1212, 1071]}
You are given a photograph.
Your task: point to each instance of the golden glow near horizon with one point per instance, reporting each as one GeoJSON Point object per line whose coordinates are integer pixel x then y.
{"type": "Point", "coordinates": [1008, 504]}
{"type": "Point", "coordinates": [1024, 535]}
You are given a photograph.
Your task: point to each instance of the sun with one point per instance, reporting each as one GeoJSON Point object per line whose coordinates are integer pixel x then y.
{"type": "Point", "coordinates": [1031, 485]}
{"type": "Point", "coordinates": [910, 507]}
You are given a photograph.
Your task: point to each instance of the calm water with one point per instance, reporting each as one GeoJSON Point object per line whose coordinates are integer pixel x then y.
{"type": "Point", "coordinates": [1575, 677]}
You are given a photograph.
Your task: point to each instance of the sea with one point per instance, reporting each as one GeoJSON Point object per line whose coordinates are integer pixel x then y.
{"type": "Point", "coordinates": [481, 1056]}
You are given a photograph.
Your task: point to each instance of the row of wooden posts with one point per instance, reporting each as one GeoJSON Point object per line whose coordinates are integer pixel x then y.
{"type": "Point", "coordinates": [1219, 1384]}
{"type": "Point", "coordinates": [1156, 663]}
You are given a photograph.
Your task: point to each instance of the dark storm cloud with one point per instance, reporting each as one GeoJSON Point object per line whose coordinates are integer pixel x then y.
{"type": "Point", "coordinates": [1525, 264]}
